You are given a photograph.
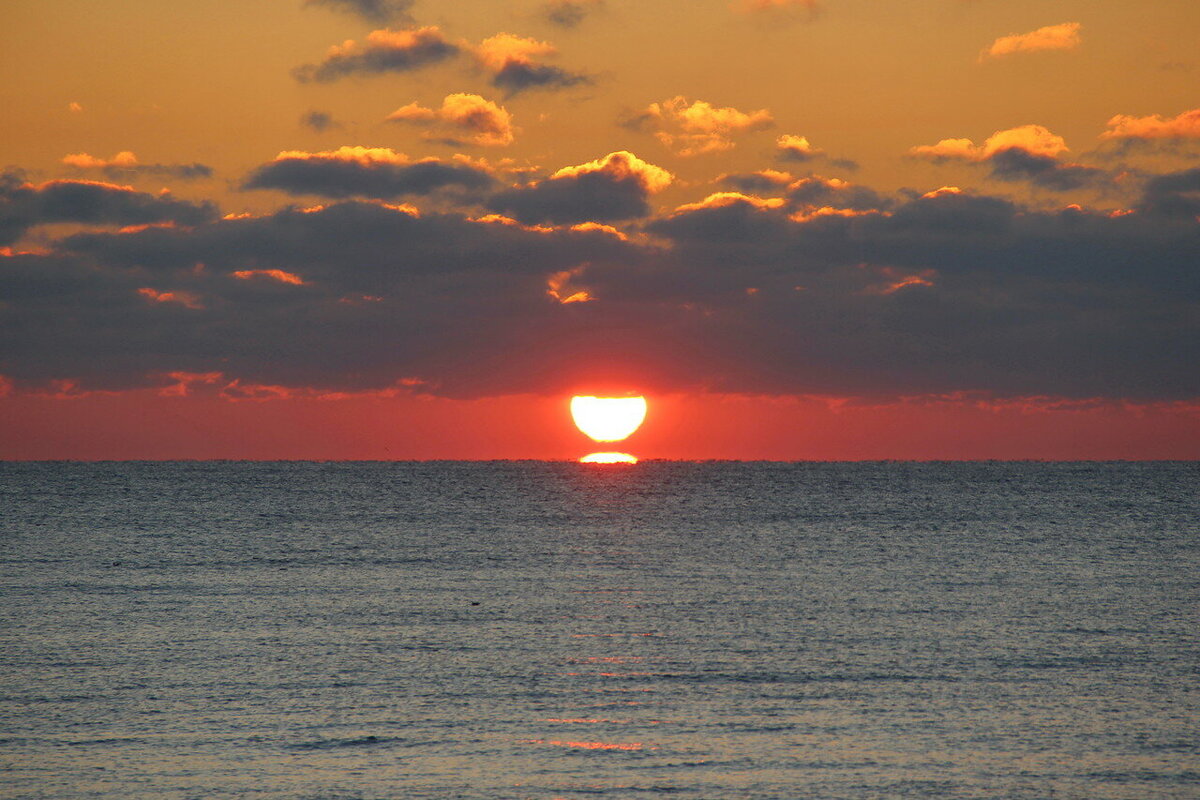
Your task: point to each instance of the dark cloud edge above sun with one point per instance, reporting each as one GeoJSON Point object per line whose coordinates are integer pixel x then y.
{"type": "Point", "coordinates": [791, 285]}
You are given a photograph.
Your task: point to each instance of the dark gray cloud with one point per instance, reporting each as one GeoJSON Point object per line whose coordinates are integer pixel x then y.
{"type": "Point", "coordinates": [589, 196]}
{"type": "Point", "coordinates": [383, 51]}
{"type": "Point", "coordinates": [319, 121]}
{"type": "Point", "coordinates": [569, 13]}
{"type": "Point", "coordinates": [864, 296]}
{"type": "Point", "coordinates": [379, 12]}
{"type": "Point", "coordinates": [1018, 164]}
{"type": "Point", "coordinates": [765, 182]}
{"type": "Point", "coordinates": [516, 76]}
{"type": "Point", "coordinates": [24, 205]}
{"type": "Point", "coordinates": [817, 191]}
{"type": "Point", "coordinates": [1174, 194]}
{"type": "Point", "coordinates": [327, 175]}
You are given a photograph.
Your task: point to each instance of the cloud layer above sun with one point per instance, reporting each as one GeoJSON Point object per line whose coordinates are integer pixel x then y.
{"type": "Point", "coordinates": [532, 196]}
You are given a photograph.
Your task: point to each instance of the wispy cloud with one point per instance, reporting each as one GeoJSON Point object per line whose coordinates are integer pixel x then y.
{"type": "Point", "coordinates": [1064, 36]}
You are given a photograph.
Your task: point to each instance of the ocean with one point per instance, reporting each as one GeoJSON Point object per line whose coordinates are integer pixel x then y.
{"type": "Point", "coordinates": [361, 631]}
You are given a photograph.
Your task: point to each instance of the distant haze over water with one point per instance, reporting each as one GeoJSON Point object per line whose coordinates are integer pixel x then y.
{"type": "Point", "coordinates": [555, 630]}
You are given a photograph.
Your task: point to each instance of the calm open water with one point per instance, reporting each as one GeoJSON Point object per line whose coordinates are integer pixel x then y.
{"type": "Point", "coordinates": [554, 630]}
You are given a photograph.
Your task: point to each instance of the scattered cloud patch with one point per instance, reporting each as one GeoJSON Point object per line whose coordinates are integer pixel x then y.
{"type": "Point", "coordinates": [185, 299]}
{"type": "Point", "coordinates": [278, 275]}
{"type": "Point", "coordinates": [514, 63]}
{"type": "Point", "coordinates": [790, 147]}
{"type": "Point", "coordinates": [569, 13]}
{"type": "Point", "coordinates": [382, 52]}
{"type": "Point", "coordinates": [377, 172]}
{"type": "Point", "coordinates": [1185, 125]}
{"type": "Point", "coordinates": [1026, 153]}
{"type": "Point", "coordinates": [615, 187]}
{"type": "Point", "coordinates": [765, 180]}
{"type": "Point", "coordinates": [1034, 139]}
{"type": "Point", "coordinates": [378, 12]}
{"type": "Point", "coordinates": [25, 205]}
{"type": "Point", "coordinates": [126, 165]}
{"type": "Point", "coordinates": [462, 119]}
{"type": "Point", "coordinates": [319, 121]}
{"type": "Point", "coordinates": [1064, 36]}
{"type": "Point", "coordinates": [693, 128]}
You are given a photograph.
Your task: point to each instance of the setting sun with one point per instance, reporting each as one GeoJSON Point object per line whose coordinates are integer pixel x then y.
{"type": "Point", "coordinates": [608, 458]}
{"type": "Point", "coordinates": [608, 419]}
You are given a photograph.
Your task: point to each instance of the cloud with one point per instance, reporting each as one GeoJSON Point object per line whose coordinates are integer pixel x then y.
{"type": "Point", "coordinates": [1033, 139]}
{"type": "Point", "coordinates": [1017, 164]}
{"type": "Point", "coordinates": [383, 51]}
{"type": "Point", "coordinates": [824, 287]}
{"type": "Point", "coordinates": [698, 127]}
{"type": "Point", "coordinates": [319, 121]}
{"type": "Point", "coordinates": [765, 180]}
{"type": "Point", "coordinates": [514, 67]}
{"type": "Point", "coordinates": [816, 192]}
{"type": "Point", "coordinates": [1185, 125]}
{"type": "Point", "coordinates": [126, 165]}
{"type": "Point", "coordinates": [1174, 194]}
{"type": "Point", "coordinates": [366, 172]}
{"type": "Point", "coordinates": [615, 187]}
{"type": "Point", "coordinates": [379, 12]}
{"type": "Point", "coordinates": [1028, 152]}
{"type": "Point", "coordinates": [1052, 37]}
{"type": "Point", "coordinates": [569, 13]}
{"type": "Point", "coordinates": [25, 205]}
{"type": "Point", "coordinates": [462, 119]}
{"type": "Point", "coordinates": [790, 147]}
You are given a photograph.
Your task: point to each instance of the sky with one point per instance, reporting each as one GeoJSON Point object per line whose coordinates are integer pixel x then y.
{"type": "Point", "coordinates": [413, 229]}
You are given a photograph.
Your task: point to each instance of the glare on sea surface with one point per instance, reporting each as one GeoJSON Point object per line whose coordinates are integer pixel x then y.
{"type": "Point", "coordinates": [608, 419]}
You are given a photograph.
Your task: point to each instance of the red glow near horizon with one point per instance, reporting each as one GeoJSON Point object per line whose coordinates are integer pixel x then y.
{"type": "Point", "coordinates": [170, 423]}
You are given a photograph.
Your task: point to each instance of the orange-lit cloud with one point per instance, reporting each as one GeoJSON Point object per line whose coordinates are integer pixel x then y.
{"type": "Point", "coordinates": [622, 165]}
{"type": "Point", "coordinates": [1185, 125]}
{"type": "Point", "coordinates": [611, 188]}
{"type": "Point", "coordinates": [1034, 139]}
{"type": "Point", "coordinates": [462, 119]}
{"type": "Point", "coordinates": [1052, 37]}
{"type": "Point", "coordinates": [693, 128]}
{"type": "Point", "coordinates": [558, 286]}
{"type": "Point", "coordinates": [125, 163]}
{"type": "Point", "coordinates": [1026, 153]}
{"type": "Point", "coordinates": [125, 158]}
{"type": "Point", "coordinates": [187, 299]}
{"type": "Point", "coordinates": [273, 274]}
{"type": "Point", "coordinates": [722, 199]}
{"type": "Point", "coordinates": [797, 148]}
{"type": "Point", "coordinates": [896, 279]}
{"type": "Point", "coordinates": [515, 64]}
{"type": "Point", "coordinates": [381, 52]}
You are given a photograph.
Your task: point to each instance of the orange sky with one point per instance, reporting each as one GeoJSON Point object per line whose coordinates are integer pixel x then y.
{"type": "Point", "coordinates": [840, 229]}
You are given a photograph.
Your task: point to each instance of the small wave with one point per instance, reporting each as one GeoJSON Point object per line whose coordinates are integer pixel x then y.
{"type": "Point", "coordinates": [337, 744]}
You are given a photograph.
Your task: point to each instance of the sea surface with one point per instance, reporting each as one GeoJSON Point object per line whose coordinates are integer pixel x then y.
{"type": "Point", "coordinates": [360, 631]}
